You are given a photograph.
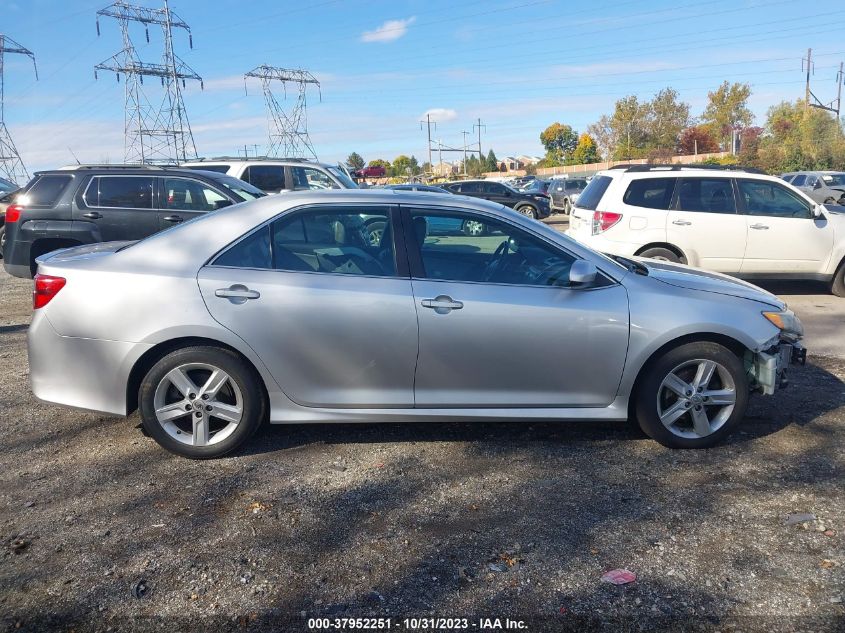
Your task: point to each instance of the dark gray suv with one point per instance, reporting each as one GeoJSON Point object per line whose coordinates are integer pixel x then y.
{"type": "Point", "coordinates": [564, 192]}
{"type": "Point", "coordinates": [87, 204]}
{"type": "Point", "coordinates": [533, 205]}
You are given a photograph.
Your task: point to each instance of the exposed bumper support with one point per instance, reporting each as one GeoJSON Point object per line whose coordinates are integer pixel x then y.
{"type": "Point", "coordinates": [767, 370]}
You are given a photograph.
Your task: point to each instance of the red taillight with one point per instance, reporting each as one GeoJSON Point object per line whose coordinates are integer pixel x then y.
{"type": "Point", "coordinates": [603, 220]}
{"type": "Point", "coordinates": [13, 213]}
{"type": "Point", "coordinates": [46, 287]}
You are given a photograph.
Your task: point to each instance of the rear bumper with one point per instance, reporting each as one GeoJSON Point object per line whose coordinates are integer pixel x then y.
{"type": "Point", "coordinates": [83, 373]}
{"type": "Point", "coordinates": [603, 245]}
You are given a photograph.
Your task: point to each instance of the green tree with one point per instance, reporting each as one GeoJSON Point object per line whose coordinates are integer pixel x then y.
{"type": "Point", "coordinates": [727, 109]}
{"type": "Point", "coordinates": [354, 161]}
{"type": "Point", "coordinates": [403, 166]}
{"type": "Point", "coordinates": [586, 151]}
{"type": "Point", "coordinates": [492, 163]}
{"type": "Point", "coordinates": [630, 124]}
{"type": "Point", "coordinates": [559, 140]}
{"type": "Point", "coordinates": [604, 135]}
{"type": "Point", "coordinates": [379, 162]}
{"type": "Point", "coordinates": [666, 118]}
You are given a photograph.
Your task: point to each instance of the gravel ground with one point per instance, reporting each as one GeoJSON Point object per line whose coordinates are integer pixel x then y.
{"type": "Point", "coordinates": [102, 530]}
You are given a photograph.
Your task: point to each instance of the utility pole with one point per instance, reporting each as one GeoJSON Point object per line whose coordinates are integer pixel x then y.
{"type": "Point", "coordinates": [812, 101]}
{"type": "Point", "coordinates": [151, 135]}
{"type": "Point", "coordinates": [478, 125]}
{"type": "Point", "coordinates": [809, 62]}
{"type": "Point", "coordinates": [465, 151]}
{"type": "Point", "coordinates": [11, 165]}
{"type": "Point", "coordinates": [428, 126]}
{"type": "Point", "coordinates": [288, 129]}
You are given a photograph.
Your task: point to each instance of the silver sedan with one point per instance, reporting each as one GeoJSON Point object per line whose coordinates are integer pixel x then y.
{"type": "Point", "coordinates": [286, 309]}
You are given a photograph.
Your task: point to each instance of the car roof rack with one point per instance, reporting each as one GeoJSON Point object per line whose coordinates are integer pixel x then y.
{"type": "Point", "coordinates": [681, 167]}
{"type": "Point", "coordinates": [215, 159]}
{"type": "Point", "coordinates": [116, 167]}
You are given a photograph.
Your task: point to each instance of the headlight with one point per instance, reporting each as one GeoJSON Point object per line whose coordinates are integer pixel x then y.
{"type": "Point", "coordinates": [785, 321]}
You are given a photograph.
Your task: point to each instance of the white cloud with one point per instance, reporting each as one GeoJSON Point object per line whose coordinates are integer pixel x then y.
{"type": "Point", "coordinates": [389, 31]}
{"type": "Point", "coordinates": [440, 114]}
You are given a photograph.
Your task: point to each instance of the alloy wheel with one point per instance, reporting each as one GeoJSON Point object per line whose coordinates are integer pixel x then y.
{"type": "Point", "coordinates": [527, 211]}
{"type": "Point", "coordinates": [696, 398]}
{"type": "Point", "coordinates": [198, 404]}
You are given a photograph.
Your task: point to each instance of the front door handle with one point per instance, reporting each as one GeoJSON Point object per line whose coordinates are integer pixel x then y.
{"type": "Point", "coordinates": [172, 218]}
{"type": "Point", "coordinates": [93, 215]}
{"type": "Point", "coordinates": [442, 304]}
{"type": "Point", "coordinates": [237, 293]}
{"type": "Point", "coordinates": [759, 227]}
{"type": "Point", "coordinates": [681, 222]}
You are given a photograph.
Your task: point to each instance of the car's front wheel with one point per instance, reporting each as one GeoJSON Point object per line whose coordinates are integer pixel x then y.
{"type": "Point", "coordinates": [692, 396]}
{"type": "Point", "coordinates": [661, 254]}
{"type": "Point", "coordinates": [201, 402]}
{"type": "Point", "coordinates": [837, 286]}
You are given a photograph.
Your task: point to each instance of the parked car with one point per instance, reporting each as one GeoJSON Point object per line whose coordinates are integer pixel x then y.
{"type": "Point", "coordinates": [266, 311]}
{"type": "Point", "coordinates": [8, 190]}
{"type": "Point", "coordinates": [565, 192]}
{"type": "Point", "coordinates": [533, 205]}
{"type": "Point", "coordinates": [827, 187]}
{"type": "Point", "coordinates": [274, 175]}
{"type": "Point", "coordinates": [521, 181]}
{"type": "Point", "coordinates": [734, 221]}
{"type": "Point", "coordinates": [86, 204]}
{"type": "Point", "coordinates": [371, 171]}
{"type": "Point", "coordinates": [537, 186]}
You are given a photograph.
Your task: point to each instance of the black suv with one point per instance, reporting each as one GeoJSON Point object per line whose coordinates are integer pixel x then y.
{"type": "Point", "coordinates": [564, 192]}
{"type": "Point", "coordinates": [87, 204]}
{"type": "Point", "coordinates": [531, 204]}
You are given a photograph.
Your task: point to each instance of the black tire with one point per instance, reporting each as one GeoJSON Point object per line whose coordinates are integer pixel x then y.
{"type": "Point", "coordinates": [663, 254]}
{"type": "Point", "coordinates": [649, 392]}
{"type": "Point", "coordinates": [254, 404]}
{"type": "Point", "coordinates": [2, 239]}
{"type": "Point", "coordinates": [829, 201]}
{"type": "Point", "coordinates": [567, 207]}
{"type": "Point", "coordinates": [528, 211]}
{"type": "Point", "coordinates": [374, 232]}
{"type": "Point", "coordinates": [837, 286]}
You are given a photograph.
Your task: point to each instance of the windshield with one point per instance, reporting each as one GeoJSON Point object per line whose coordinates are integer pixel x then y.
{"type": "Point", "coordinates": [240, 188]}
{"type": "Point", "coordinates": [834, 180]}
{"type": "Point", "coordinates": [344, 179]}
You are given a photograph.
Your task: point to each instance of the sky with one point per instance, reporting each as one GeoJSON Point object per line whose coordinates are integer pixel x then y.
{"type": "Point", "coordinates": [517, 65]}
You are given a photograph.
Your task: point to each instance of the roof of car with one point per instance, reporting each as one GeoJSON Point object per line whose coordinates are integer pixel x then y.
{"type": "Point", "coordinates": [227, 160]}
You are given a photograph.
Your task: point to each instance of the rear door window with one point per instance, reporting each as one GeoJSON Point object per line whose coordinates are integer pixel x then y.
{"type": "Point", "coordinates": [45, 191]}
{"type": "Point", "coordinates": [651, 193]}
{"type": "Point", "coordinates": [709, 195]}
{"type": "Point", "coordinates": [265, 177]}
{"type": "Point", "coordinates": [120, 192]}
{"type": "Point", "coordinates": [799, 180]}
{"type": "Point", "coordinates": [592, 195]}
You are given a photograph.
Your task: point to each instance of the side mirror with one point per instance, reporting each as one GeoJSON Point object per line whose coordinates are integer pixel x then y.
{"type": "Point", "coordinates": [818, 210]}
{"type": "Point", "coordinates": [582, 272]}
{"type": "Point", "coordinates": [222, 203]}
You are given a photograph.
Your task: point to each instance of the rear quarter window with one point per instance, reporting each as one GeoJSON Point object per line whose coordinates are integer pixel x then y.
{"type": "Point", "coordinates": [651, 193]}
{"type": "Point", "coordinates": [592, 195]}
{"type": "Point", "coordinates": [46, 190]}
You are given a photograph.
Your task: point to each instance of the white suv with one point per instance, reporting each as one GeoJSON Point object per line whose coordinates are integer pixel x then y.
{"type": "Point", "coordinates": [273, 175]}
{"type": "Point", "coordinates": [733, 221]}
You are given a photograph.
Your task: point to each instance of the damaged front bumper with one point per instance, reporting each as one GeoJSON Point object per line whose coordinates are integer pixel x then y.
{"type": "Point", "coordinates": [767, 369]}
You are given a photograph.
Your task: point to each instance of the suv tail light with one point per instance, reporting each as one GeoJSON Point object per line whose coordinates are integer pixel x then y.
{"type": "Point", "coordinates": [13, 213]}
{"type": "Point", "coordinates": [46, 287]}
{"type": "Point", "coordinates": [603, 220]}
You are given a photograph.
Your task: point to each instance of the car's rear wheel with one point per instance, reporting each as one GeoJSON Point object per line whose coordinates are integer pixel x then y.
{"type": "Point", "coordinates": [830, 201]}
{"type": "Point", "coordinates": [567, 207]}
{"type": "Point", "coordinates": [661, 254]}
{"type": "Point", "coordinates": [692, 396]}
{"type": "Point", "coordinates": [528, 211]}
{"type": "Point", "coordinates": [2, 239]}
{"type": "Point", "coordinates": [201, 402]}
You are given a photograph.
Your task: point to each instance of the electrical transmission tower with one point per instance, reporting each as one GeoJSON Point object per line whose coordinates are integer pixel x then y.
{"type": "Point", "coordinates": [288, 129]}
{"type": "Point", "coordinates": [11, 165]}
{"type": "Point", "coordinates": [152, 134]}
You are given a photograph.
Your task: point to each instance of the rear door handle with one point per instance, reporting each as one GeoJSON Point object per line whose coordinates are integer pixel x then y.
{"type": "Point", "coordinates": [442, 304]}
{"type": "Point", "coordinates": [681, 222]}
{"type": "Point", "coordinates": [759, 227]}
{"type": "Point", "coordinates": [93, 215]}
{"type": "Point", "coordinates": [237, 293]}
{"type": "Point", "coordinates": [172, 218]}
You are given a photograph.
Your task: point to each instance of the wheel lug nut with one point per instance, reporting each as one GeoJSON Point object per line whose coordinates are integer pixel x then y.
{"type": "Point", "coordinates": [187, 407]}
{"type": "Point", "coordinates": [192, 396]}
{"type": "Point", "coordinates": [198, 414]}
{"type": "Point", "coordinates": [205, 396]}
{"type": "Point", "coordinates": [689, 393]}
{"type": "Point", "coordinates": [687, 404]}
{"type": "Point", "coordinates": [208, 407]}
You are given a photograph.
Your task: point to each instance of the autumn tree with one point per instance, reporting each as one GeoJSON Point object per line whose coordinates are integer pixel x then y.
{"type": "Point", "coordinates": [727, 109]}
{"type": "Point", "coordinates": [560, 141]}
{"type": "Point", "coordinates": [665, 118]}
{"type": "Point", "coordinates": [354, 161]}
{"type": "Point", "coordinates": [586, 151]}
{"type": "Point", "coordinates": [697, 140]}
